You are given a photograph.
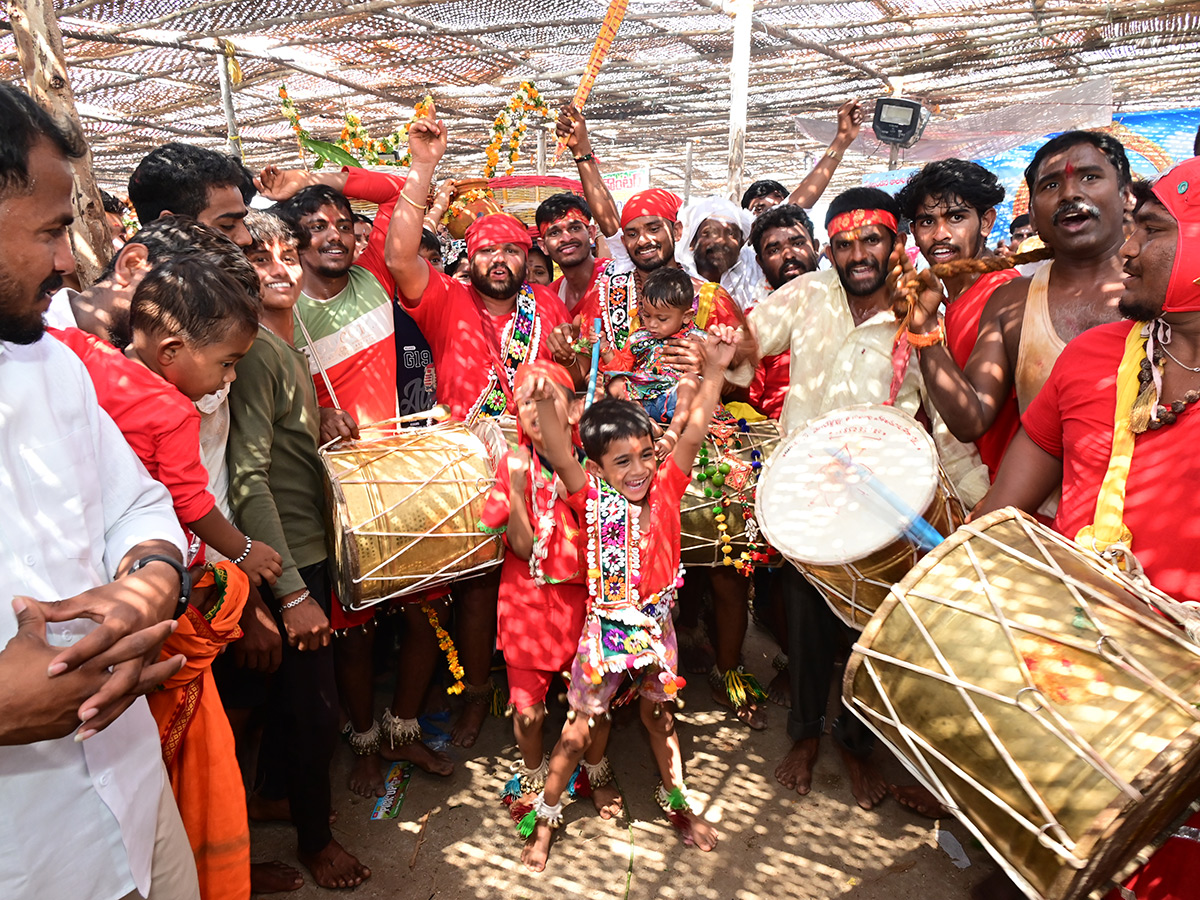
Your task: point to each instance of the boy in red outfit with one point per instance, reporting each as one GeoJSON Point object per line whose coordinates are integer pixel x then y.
{"type": "Point", "coordinates": [630, 509]}
{"type": "Point", "coordinates": [543, 594]}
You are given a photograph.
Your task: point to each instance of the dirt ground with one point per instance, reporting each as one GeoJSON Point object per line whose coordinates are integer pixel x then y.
{"type": "Point", "coordinates": [774, 843]}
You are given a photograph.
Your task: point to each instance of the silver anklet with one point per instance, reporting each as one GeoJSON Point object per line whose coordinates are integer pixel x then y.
{"type": "Point", "coordinates": [598, 775]}
{"type": "Point", "coordinates": [365, 743]}
{"type": "Point", "coordinates": [400, 732]}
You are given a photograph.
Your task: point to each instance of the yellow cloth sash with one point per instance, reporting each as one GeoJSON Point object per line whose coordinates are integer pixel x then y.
{"type": "Point", "coordinates": [706, 304]}
{"type": "Point", "coordinates": [1108, 527]}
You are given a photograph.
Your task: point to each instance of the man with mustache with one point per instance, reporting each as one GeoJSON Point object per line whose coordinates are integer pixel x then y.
{"type": "Point", "coordinates": [951, 205]}
{"type": "Point", "coordinates": [1113, 441]}
{"type": "Point", "coordinates": [840, 328]}
{"type": "Point", "coordinates": [714, 247]}
{"type": "Point", "coordinates": [479, 334]}
{"type": "Point", "coordinates": [1079, 193]}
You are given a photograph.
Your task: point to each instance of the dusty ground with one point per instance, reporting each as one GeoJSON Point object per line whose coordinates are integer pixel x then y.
{"type": "Point", "coordinates": [774, 844]}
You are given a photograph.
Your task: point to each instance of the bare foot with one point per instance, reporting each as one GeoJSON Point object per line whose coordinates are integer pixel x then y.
{"type": "Point", "coordinates": [273, 878]}
{"type": "Point", "coordinates": [749, 713]}
{"type": "Point", "coordinates": [334, 867]}
{"type": "Point", "coordinates": [537, 848]}
{"type": "Point", "coordinates": [608, 801]}
{"type": "Point", "coordinates": [366, 779]}
{"type": "Point", "coordinates": [466, 729]}
{"type": "Point", "coordinates": [919, 799]}
{"type": "Point", "coordinates": [867, 785]}
{"type": "Point", "coordinates": [779, 691]}
{"type": "Point", "coordinates": [695, 831]}
{"type": "Point", "coordinates": [795, 772]}
{"type": "Point", "coordinates": [421, 756]}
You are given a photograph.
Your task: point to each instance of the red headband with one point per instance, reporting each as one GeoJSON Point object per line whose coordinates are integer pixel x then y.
{"type": "Point", "coordinates": [570, 214]}
{"type": "Point", "coordinates": [654, 202]}
{"type": "Point", "coordinates": [856, 218]}
{"type": "Point", "coordinates": [497, 228]}
{"type": "Point", "coordinates": [1179, 191]}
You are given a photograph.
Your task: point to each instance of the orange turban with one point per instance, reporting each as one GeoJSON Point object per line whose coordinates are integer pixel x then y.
{"type": "Point", "coordinates": [654, 202]}
{"type": "Point", "coordinates": [497, 228]}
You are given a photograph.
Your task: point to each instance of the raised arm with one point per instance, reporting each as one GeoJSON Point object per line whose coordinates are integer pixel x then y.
{"type": "Point", "coordinates": [427, 144]}
{"type": "Point", "coordinates": [281, 185]}
{"type": "Point", "coordinates": [968, 399]}
{"type": "Point", "coordinates": [572, 126]}
{"type": "Point", "coordinates": [809, 191]}
{"type": "Point", "coordinates": [719, 349]}
{"type": "Point", "coordinates": [556, 435]}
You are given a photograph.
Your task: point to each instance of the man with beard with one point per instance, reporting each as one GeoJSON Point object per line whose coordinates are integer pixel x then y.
{"type": "Point", "coordinates": [1079, 193]}
{"type": "Point", "coordinates": [91, 562]}
{"type": "Point", "coordinates": [713, 247]}
{"type": "Point", "coordinates": [479, 333]}
{"type": "Point", "coordinates": [951, 205]}
{"type": "Point", "coordinates": [840, 327]}
{"type": "Point", "coordinates": [1114, 441]}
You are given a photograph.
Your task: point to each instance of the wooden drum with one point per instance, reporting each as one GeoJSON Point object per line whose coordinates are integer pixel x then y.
{"type": "Point", "coordinates": [1032, 687]}
{"type": "Point", "coordinates": [839, 499]}
{"type": "Point", "coordinates": [740, 451]}
{"type": "Point", "coordinates": [405, 508]}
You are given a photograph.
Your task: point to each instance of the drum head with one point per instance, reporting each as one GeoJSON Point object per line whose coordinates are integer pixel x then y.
{"type": "Point", "coordinates": [847, 485]}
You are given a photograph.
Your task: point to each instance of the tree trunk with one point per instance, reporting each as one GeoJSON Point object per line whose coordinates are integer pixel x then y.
{"type": "Point", "coordinates": [40, 50]}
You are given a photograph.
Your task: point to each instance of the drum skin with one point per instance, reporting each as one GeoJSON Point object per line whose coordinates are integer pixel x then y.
{"type": "Point", "coordinates": [405, 510]}
{"type": "Point", "coordinates": [834, 536]}
{"type": "Point", "coordinates": [700, 544]}
{"type": "Point", "coordinates": [1035, 691]}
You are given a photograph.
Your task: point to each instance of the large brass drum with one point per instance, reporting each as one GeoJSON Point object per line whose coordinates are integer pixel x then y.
{"type": "Point", "coordinates": [836, 524]}
{"type": "Point", "coordinates": [1031, 687]}
{"type": "Point", "coordinates": [405, 509]}
{"type": "Point", "coordinates": [700, 543]}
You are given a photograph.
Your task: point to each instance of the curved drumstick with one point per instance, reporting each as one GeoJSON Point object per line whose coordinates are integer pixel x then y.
{"type": "Point", "coordinates": [915, 526]}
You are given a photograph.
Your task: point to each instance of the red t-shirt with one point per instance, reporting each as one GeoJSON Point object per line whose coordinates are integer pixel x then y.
{"type": "Point", "coordinates": [962, 331]}
{"type": "Point", "coordinates": [658, 545]}
{"type": "Point", "coordinates": [558, 283]}
{"type": "Point", "coordinates": [466, 339]}
{"type": "Point", "coordinates": [1072, 418]}
{"type": "Point", "coordinates": [159, 423]}
{"type": "Point", "coordinates": [539, 626]}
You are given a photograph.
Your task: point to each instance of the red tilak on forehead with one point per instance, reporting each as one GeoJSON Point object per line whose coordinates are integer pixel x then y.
{"type": "Point", "coordinates": [567, 217]}
{"type": "Point", "coordinates": [1069, 170]}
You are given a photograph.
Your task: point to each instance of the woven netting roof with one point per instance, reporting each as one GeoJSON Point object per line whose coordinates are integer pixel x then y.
{"type": "Point", "coordinates": [145, 71]}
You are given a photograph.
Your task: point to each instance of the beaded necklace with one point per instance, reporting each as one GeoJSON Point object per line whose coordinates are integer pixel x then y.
{"type": "Point", "coordinates": [519, 343]}
{"type": "Point", "coordinates": [618, 305]}
{"type": "Point", "coordinates": [1148, 413]}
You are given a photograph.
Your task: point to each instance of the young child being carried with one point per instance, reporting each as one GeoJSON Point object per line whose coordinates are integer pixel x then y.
{"type": "Point", "coordinates": [630, 506]}
{"type": "Point", "coordinates": [543, 592]}
{"type": "Point", "coordinates": [667, 310]}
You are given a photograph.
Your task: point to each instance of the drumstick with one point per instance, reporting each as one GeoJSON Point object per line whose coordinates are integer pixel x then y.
{"type": "Point", "coordinates": [595, 373]}
{"type": "Point", "coordinates": [916, 528]}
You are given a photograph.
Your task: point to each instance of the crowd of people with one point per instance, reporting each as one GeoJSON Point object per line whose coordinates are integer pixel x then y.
{"type": "Point", "coordinates": [167, 527]}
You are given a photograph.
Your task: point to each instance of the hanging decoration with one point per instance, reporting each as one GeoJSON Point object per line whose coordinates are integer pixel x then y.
{"type": "Point", "coordinates": [510, 125]}
{"type": "Point", "coordinates": [608, 30]}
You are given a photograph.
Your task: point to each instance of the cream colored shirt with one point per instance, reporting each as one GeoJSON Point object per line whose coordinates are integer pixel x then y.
{"type": "Point", "coordinates": [835, 364]}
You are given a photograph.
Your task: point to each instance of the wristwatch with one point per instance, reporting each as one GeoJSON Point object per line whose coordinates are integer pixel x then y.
{"type": "Point", "coordinates": [185, 580]}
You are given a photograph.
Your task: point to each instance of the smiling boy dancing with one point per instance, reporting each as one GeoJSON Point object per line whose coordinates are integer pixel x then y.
{"type": "Point", "coordinates": [630, 507]}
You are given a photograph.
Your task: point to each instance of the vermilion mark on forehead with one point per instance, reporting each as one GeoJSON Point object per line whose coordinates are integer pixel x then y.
{"type": "Point", "coordinates": [1069, 169]}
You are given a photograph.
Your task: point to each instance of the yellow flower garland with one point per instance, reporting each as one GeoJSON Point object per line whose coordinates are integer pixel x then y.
{"type": "Point", "coordinates": [509, 127]}
{"type": "Point", "coordinates": [446, 644]}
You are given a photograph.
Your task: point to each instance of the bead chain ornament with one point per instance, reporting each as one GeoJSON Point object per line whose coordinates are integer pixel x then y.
{"type": "Point", "coordinates": [543, 520]}
{"type": "Point", "coordinates": [712, 477]}
{"type": "Point", "coordinates": [622, 631]}
{"type": "Point", "coordinates": [400, 732]}
{"type": "Point", "coordinates": [519, 344]}
{"type": "Point", "coordinates": [525, 780]}
{"type": "Point", "coordinates": [365, 743]}
{"type": "Point", "coordinates": [1158, 334]}
{"type": "Point", "coordinates": [618, 305]}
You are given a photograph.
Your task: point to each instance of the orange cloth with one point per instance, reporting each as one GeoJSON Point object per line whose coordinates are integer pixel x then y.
{"type": "Point", "coordinates": [197, 742]}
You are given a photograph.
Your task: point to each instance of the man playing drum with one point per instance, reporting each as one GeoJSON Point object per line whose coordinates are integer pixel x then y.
{"type": "Point", "coordinates": [840, 328]}
{"type": "Point", "coordinates": [1114, 424]}
{"type": "Point", "coordinates": [479, 334]}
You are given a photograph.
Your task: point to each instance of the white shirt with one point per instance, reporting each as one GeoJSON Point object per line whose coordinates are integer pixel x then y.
{"type": "Point", "coordinates": [79, 818]}
{"type": "Point", "coordinates": [835, 363]}
{"type": "Point", "coordinates": [214, 436]}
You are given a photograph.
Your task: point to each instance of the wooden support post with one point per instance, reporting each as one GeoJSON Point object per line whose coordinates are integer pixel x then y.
{"type": "Point", "coordinates": [739, 89]}
{"type": "Point", "coordinates": [40, 50]}
{"type": "Point", "coordinates": [226, 82]}
{"type": "Point", "coordinates": [687, 173]}
{"type": "Point", "coordinates": [541, 151]}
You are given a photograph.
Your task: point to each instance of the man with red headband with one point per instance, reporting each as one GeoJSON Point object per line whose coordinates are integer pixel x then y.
{"type": "Point", "coordinates": [840, 328]}
{"type": "Point", "coordinates": [479, 334]}
{"type": "Point", "coordinates": [1116, 425]}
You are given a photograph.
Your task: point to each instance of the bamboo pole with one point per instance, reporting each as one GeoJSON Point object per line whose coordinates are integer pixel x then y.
{"type": "Point", "coordinates": [40, 50]}
{"type": "Point", "coordinates": [225, 79]}
{"type": "Point", "coordinates": [687, 173]}
{"type": "Point", "coordinates": [739, 89]}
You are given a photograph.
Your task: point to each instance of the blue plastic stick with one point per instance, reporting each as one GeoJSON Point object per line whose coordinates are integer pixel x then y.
{"type": "Point", "coordinates": [916, 528]}
{"type": "Point", "coordinates": [595, 373]}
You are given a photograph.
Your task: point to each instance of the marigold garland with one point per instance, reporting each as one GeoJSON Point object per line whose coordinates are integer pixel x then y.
{"type": "Point", "coordinates": [446, 644]}
{"type": "Point", "coordinates": [354, 138]}
{"type": "Point", "coordinates": [509, 127]}
{"type": "Point", "coordinates": [398, 139]}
